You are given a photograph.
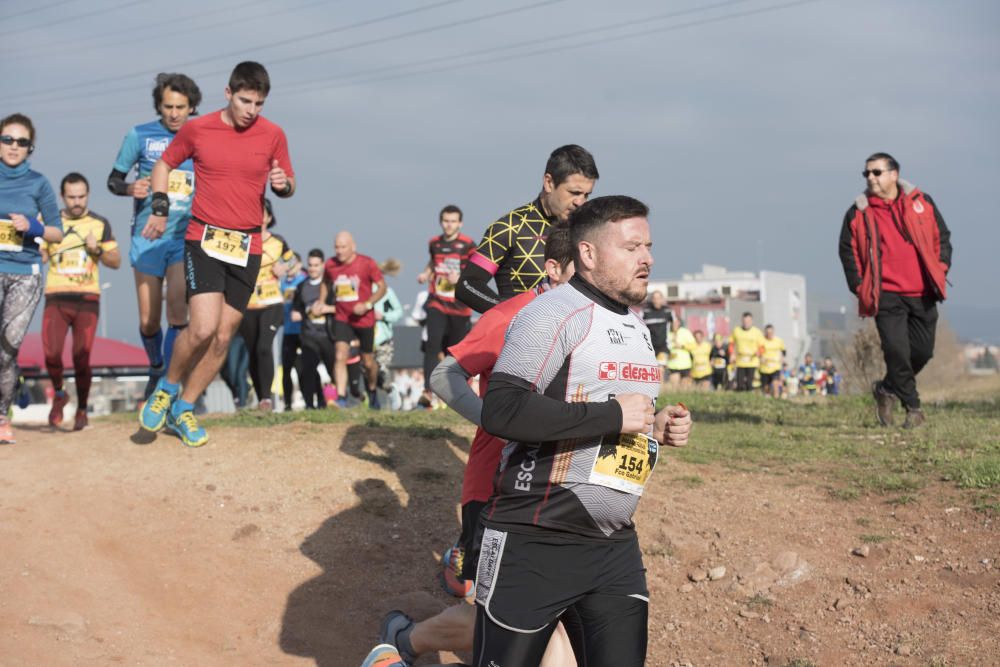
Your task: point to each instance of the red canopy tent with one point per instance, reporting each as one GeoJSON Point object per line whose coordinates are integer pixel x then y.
{"type": "Point", "coordinates": [108, 357]}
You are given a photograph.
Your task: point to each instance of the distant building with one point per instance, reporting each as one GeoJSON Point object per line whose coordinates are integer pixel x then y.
{"type": "Point", "coordinates": [715, 299]}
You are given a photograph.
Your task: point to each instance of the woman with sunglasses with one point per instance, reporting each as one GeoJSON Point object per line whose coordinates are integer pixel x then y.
{"type": "Point", "coordinates": [26, 199]}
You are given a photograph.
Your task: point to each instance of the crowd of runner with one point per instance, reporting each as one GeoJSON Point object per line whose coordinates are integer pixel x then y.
{"type": "Point", "coordinates": [570, 353]}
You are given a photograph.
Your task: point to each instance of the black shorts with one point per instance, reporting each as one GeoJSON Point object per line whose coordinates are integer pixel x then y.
{"type": "Point", "coordinates": [526, 580]}
{"type": "Point", "coordinates": [204, 275]}
{"type": "Point", "coordinates": [345, 333]}
{"type": "Point", "coordinates": [471, 538]}
{"type": "Point", "coordinates": [766, 379]}
{"type": "Point", "coordinates": [682, 373]}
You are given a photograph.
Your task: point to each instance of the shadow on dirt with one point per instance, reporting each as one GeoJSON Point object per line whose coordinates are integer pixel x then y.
{"type": "Point", "coordinates": [383, 552]}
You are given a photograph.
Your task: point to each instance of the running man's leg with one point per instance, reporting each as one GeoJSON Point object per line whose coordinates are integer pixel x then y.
{"type": "Point", "coordinates": [55, 325]}
{"type": "Point", "coordinates": [290, 360]}
{"type": "Point", "coordinates": [214, 346]}
{"type": "Point", "coordinates": [270, 321]}
{"type": "Point", "coordinates": [149, 296]}
{"type": "Point", "coordinates": [615, 627]}
{"type": "Point", "coordinates": [84, 331]}
{"type": "Point", "coordinates": [250, 330]}
{"type": "Point", "coordinates": [177, 307]}
{"type": "Point", "coordinates": [341, 351]}
{"type": "Point", "coordinates": [437, 334]}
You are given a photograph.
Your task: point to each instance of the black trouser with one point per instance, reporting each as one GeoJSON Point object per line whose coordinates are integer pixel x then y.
{"type": "Point", "coordinates": [744, 379]}
{"type": "Point", "coordinates": [304, 366]}
{"type": "Point", "coordinates": [443, 331]}
{"type": "Point", "coordinates": [906, 328]}
{"type": "Point", "coordinates": [258, 328]}
{"type": "Point", "coordinates": [613, 629]}
{"type": "Point", "coordinates": [720, 378]}
{"type": "Point", "coordinates": [320, 345]}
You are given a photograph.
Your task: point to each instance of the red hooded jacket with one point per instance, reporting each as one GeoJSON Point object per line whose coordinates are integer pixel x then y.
{"type": "Point", "coordinates": [861, 247]}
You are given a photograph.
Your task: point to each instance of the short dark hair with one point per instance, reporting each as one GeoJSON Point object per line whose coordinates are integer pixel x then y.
{"type": "Point", "coordinates": [568, 160]}
{"type": "Point", "coordinates": [249, 75]}
{"type": "Point", "coordinates": [179, 83]}
{"type": "Point", "coordinates": [594, 214]}
{"type": "Point", "coordinates": [297, 256]}
{"type": "Point", "coordinates": [747, 314]}
{"type": "Point", "coordinates": [270, 211]}
{"type": "Point", "coordinates": [768, 326]}
{"type": "Point", "coordinates": [890, 160]}
{"type": "Point", "coordinates": [450, 208]}
{"type": "Point", "coordinates": [73, 177]}
{"type": "Point", "coordinates": [19, 119]}
{"type": "Point", "coordinates": [558, 246]}
{"type": "Point", "coordinates": [316, 252]}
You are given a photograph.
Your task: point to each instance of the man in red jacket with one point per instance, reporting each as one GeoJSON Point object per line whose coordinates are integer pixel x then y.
{"type": "Point", "coordinates": [896, 252]}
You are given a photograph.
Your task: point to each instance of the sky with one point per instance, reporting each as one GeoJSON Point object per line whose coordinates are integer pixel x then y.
{"type": "Point", "coordinates": [744, 125]}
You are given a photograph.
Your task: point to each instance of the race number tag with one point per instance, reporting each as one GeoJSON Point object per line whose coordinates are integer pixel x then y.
{"type": "Point", "coordinates": [625, 464]}
{"type": "Point", "coordinates": [11, 240]}
{"type": "Point", "coordinates": [180, 185]}
{"type": "Point", "coordinates": [268, 293]}
{"type": "Point", "coordinates": [344, 289]}
{"type": "Point", "coordinates": [718, 363]}
{"type": "Point", "coordinates": [226, 245]}
{"type": "Point", "coordinates": [74, 262]}
{"type": "Point", "coordinates": [443, 287]}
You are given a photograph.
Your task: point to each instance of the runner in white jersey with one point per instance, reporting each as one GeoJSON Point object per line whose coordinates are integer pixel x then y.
{"type": "Point", "coordinates": [574, 392]}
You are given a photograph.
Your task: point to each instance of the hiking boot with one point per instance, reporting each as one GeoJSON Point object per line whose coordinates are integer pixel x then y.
{"type": "Point", "coordinates": [59, 401]}
{"type": "Point", "coordinates": [185, 425]}
{"type": "Point", "coordinates": [383, 655]}
{"type": "Point", "coordinates": [885, 402]}
{"type": "Point", "coordinates": [153, 415]}
{"type": "Point", "coordinates": [81, 420]}
{"type": "Point", "coordinates": [395, 631]}
{"type": "Point", "coordinates": [914, 418]}
{"type": "Point", "coordinates": [6, 432]}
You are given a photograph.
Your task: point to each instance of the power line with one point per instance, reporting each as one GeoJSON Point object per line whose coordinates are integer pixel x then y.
{"type": "Point", "coordinates": [100, 41]}
{"type": "Point", "coordinates": [294, 87]}
{"type": "Point", "coordinates": [77, 17]}
{"type": "Point", "coordinates": [570, 47]}
{"type": "Point", "coordinates": [303, 88]}
{"type": "Point", "coordinates": [36, 9]}
{"type": "Point", "coordinates": [281, 42]}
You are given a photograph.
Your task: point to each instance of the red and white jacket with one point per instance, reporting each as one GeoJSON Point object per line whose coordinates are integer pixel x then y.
{"type": "Point", "coordinates": [862, 246]}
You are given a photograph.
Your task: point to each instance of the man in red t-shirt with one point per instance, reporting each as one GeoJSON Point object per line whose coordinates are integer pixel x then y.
{"type": "Point", "coordinates": [357, 285]}
{"type": "Point", "coordinates": [476, 355]}
{"type": "Point", "coordinates": [237, 153]}
{"type": "Point", "coordinates": [447, 318]}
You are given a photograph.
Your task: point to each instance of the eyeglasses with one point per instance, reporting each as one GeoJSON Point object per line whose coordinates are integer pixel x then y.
{"type": "Point", "coordinates": [875, 172]}
{"type": "Point", "coordinates": [8, 140]}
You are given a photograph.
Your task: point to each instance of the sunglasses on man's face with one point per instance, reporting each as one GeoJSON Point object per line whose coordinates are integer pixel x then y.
{"type": "Point", "coordinates": [8, 140]}
{"type": "Point", "coordinates": [875, 172]}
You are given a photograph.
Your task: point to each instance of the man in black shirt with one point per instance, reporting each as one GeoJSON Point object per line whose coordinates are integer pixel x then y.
{"type": "Point", "coordinates": [658, 317]}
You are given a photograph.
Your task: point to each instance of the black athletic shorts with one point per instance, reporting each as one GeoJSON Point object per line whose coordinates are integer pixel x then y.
{"type": "Point", "coordinates": [682, 373]}
{"type": "Point", "coordinates": [767, 378]}
{"type": "Point", "coordinates": [204, 274]}
{"type": "Point", "coordinates": [345, 333]}
{"type": "Point", "coordinates": [526, 582]}
{"type": "Point", "coordinates": [471, 538]}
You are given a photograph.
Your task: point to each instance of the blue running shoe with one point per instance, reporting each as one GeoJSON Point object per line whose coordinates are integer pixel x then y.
{"type": "Point", "coordinates": [153, 415]}
{"type": "Point", "coordinates": [451, 575]}
{"type": "Point", "coordinates": [186, 427]}
{"type": "Point", "coordinates": [383, 655]}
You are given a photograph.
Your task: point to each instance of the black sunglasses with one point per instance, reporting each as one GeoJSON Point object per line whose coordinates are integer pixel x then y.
{"type": "Point", "coordinates": [8, 140]}
{"type": "Point", "coordinates": [875, 172]}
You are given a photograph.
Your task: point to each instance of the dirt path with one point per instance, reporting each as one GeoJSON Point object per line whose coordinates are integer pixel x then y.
{"type": "Point", "coordinates": [284, 546]}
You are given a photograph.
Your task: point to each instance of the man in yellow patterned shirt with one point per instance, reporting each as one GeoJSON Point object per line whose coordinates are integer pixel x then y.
{"type": "Point", "coordinates": [771, 357]}
{"type": "Point", "coordinates": [73, 293]}
{"type": "Point", "coordinates": [745, 342]}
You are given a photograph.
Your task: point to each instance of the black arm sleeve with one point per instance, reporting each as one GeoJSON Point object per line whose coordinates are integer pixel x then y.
{"type": "Point", "coordinates": [117, 184]}
{"type": "Point", "coordinates": [943, 232]}
{"type": "Point", "coordinates": [513, 410]}
{"type": "Point", "coordinates": [474, 289]}
{"type": "Point", "coordinates": [851, 272]}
